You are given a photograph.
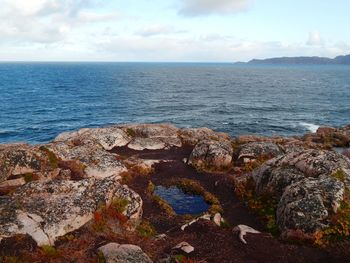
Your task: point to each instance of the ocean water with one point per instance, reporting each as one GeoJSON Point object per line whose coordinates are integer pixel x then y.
{"type": "Point", "coordinates": [40, 100]}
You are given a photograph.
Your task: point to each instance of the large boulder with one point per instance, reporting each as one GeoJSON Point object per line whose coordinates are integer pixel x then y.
{"type": "Point", "coordinates": [308, 203]}
{"type": "Point", "coordinates": [47, 210]}
{"type": "Point", "coordinates": [212, 155]}
{"type": "Point", "coordinates": [309, 186]}
{"type": "Point", "coordinates": [126, 253]}
{"type": "Point", "coordinates": [255, 150]}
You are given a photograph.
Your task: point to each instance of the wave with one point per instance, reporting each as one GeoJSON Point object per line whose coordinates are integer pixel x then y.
{"type": "Point", "coordinates": [310, 126]}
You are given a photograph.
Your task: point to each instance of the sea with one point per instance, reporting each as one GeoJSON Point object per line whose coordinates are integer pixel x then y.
{"type": "Point", "coordinates": [40, 100]}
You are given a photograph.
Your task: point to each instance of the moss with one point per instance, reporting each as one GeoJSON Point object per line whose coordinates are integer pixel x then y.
{"type": "Point", "coordinates": [119, 204]}
{"type": "Point", "coordinates": [49, 251]}
{"type": "Point", "coordinates": [264, 205]}
{"type": "Point", "coordinates": [164, 205]}
{"type": "Point", "coordinates": [225, 224]}
{"type": "Point", "coordinates": [8, 259]}
{"type": "Point", "coordinates": [53, 160]}
{"type": "Point", "coordinates": [101, 258]}
{"type": "Point", "coordinates": [339, 228]}
{"type": "Point", "coordinates": [130, 132]}
{"type": "Point", "coordinates": [126, 177]}
{"type": "Point", "coordinates": [150, 187]}
{"type": "Point", "coordinates": [28, 177]}
{"type": "Point", "coordinates": [339, 174]}
{"type": "Point", "coordinates": [145, 229]}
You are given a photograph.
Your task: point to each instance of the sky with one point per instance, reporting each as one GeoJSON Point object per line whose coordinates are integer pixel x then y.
{"type": "Point", "coordinates": [172, 30]}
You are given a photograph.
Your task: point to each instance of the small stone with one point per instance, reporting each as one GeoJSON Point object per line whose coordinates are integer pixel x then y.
{"type": "Point", "coordinates": [185, 247]}
{"type": "Point", "coordinates": [243, 230]}
{"type": "Point", "coordinates": [217, 219]}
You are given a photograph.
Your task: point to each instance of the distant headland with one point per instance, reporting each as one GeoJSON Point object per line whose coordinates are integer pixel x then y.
{"type": "Point", "coordinates": [339, 60]}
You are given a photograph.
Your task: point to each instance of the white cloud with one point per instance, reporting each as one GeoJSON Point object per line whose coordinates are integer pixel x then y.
{"type": "Point", "coordinates": [46, 21]}
{"type": "Point", "coordinates": [208, 7]}
{"type": "Point", "coordinates": [315, 39]}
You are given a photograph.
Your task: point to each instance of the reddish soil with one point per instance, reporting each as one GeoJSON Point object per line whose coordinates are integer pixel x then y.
{"type": "Point", "coordinates": [212, 243]}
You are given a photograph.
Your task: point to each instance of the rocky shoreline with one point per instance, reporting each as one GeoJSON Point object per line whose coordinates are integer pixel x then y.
{"type": "Point", "coordinates": [87, 196]}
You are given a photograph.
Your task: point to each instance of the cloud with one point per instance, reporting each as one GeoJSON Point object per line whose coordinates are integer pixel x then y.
{"type": "Point", "coordinates": [46, 21]}
{"type": "Point", "coordinates": [155, 30]}
{"type": "Point", "coordinates": [209, 7]}
{"type": "Point", "coordinates": [315, 39]}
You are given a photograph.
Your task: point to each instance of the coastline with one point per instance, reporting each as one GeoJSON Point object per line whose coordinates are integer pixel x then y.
{"type": "Point", "coordinates": [71, 192]}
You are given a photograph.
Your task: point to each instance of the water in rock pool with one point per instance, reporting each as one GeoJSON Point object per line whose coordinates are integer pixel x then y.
{"type": "Point", "coordinates": [40, 100]}
{"type": "Point", "coordinates": [181, 202]}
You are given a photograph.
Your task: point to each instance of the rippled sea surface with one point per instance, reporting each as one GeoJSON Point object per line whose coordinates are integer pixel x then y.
{"type": "Point", "coordinates": [40, 100]}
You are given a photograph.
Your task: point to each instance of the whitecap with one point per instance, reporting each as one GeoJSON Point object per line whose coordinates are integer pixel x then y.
{"type": "Point", "coordinates": [310, 126]}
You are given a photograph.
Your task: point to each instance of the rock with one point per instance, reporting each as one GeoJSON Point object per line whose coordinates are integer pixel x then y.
{"type": "Point", "coordinates": [255, 150]}
{"type": "Point", "coordinates": [211, 155]}
{"type": "Point", "coordinates": [108, 137]}
{"type": "Point", "coordinates": [152, 136]}
{"type": "Point", "coordinates": [98, 162]}
{"type": "Point", "coordinates": [204, 217]}
{"type": "Point", "coordinates": [325, 131]}
{"type": "Point", "coordinates": [47, 210]}
{"type": "Point", "coordinates": [160, 237]}
{"type": "Point", "coordinates": [217, 219]}
{"type": "Point", "coordinates": [20, 160]}
{"type": "Point", "coordinates": [309, 186]}
{"type": "Point", "coordinates": [185, 247]}
{"type": "Point", "coordinates": [243, 230]}
{"type": "Point", "coordinates": [347, 153]}
{"type": "Point", "coordinates": [126, 253]}
{"type": "Point", "coordinates": [191, 136]}
{"type": "Point", "coordinates": [140, 144]}
{"type": "Point", "coordinates": [305, 204]}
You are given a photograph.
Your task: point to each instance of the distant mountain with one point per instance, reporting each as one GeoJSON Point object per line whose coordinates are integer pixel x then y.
{"type": "Point", "coordinates": [340, 60]}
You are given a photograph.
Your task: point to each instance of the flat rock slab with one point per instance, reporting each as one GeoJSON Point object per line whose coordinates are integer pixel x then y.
{"type": "Point", "coordinates": [47, 210]}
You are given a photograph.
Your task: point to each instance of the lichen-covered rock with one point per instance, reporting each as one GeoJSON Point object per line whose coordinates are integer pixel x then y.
{"type": "Point", "coordinates": [192, 136]}
{"type": "Point", "coordinates": [152, 136]}
{"type": "Point", "coordinates": [47, 210]}
{"type": "Point", "coordinates": [211, 155]}
{"type": "Point", "coordinates": [307, 204]}
{"type": "Point", "coordinates": [20, 160]}
{"type": "Point", "coordinates": [126, 253]}
{"type": "Point", "coordinates": [254, 150]}
{"type": "Point", "coordinates": [98, 162]}
{"type": "Point", "coordinates": [150, 130]}
{"type": "Point", "coordinates": [309, 186]}
{"type": "Point", "coordinates": [108, 137]}
{"type": "Point", "coordinates": [154, 143]}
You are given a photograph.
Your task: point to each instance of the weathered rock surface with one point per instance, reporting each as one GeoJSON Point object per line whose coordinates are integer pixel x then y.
{"type": "Point", "coordinates": [108, 137]}
{"type": "Point", "coordinates": [152, 136]}
{"type": "Point", "coordinates": [98, 162]}
{"type": "Point", "coordinates": [192, 136]}
{"type": "Point", "coordinates": [211, 155]}
{"type": "Point", "coordinates": [126, 253]}
{"type": "Point", "coordinates": [330, 136]}
{"type": "Point", "coordinates": [254, 150]}
{"type": "Point", "coordinates": [309, 185]}
{"type": "Point", "coordinates": [47, 210]}
{"type": "Point", "coordinates": [19, 160]}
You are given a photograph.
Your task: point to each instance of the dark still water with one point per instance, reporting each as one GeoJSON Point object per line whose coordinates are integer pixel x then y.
{"type": "Point", "coordinates": [40, 100]}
